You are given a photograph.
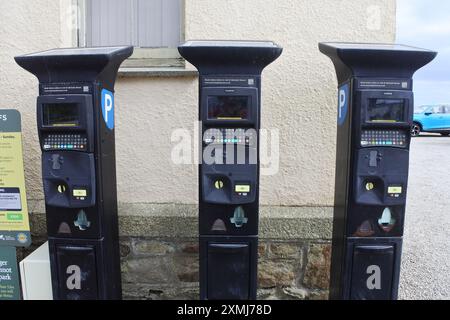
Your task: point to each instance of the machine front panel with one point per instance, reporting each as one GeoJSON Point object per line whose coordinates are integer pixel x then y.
{"type": "Point", "coordinates": [378, 190]}
{"type": "Point", "coordinates": [229, 172]}
{"type": "Point", "coordinates": [380, 161]}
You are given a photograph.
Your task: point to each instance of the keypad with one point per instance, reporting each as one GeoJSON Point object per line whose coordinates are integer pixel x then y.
{"type": "Point", "coordinates": [230, 136]}
{"type": "Point", "coordinates": [65, 142]}
{"type": "Point", "coordinates": [384, 138]}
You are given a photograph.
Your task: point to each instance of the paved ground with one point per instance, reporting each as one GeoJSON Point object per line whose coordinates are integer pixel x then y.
{"type": "Point", "coordinates": [426, 250]}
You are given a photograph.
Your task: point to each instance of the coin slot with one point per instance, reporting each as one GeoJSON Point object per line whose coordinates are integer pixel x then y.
{"type": "Point", "coordinates": [218, 184]}
{"type": "Point", "coordinates": [370, 186]}
{"type": "Point", "coordinates": [61, 188]}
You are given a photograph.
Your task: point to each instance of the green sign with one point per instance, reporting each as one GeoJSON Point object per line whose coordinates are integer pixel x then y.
{"type": "Point", "coordinates": [9, 274]}
{"type": "Point", "coordinates": [14, 224]}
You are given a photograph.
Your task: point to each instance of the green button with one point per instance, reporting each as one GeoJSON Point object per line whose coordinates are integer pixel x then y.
{"type": "Point", "coordinates": [14, 216]}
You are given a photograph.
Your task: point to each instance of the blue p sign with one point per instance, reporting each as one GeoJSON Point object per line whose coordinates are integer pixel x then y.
{"type": "Point", "coordinates": [108, 108]}
{"type": "Point", "coordinates": [343, 103]}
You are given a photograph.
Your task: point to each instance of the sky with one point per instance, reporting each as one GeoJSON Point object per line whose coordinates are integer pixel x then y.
{"type": "Point", "coordinates": [426, 24]}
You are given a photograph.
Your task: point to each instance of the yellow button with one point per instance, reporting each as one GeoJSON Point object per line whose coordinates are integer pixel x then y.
{"type": "Point", "coordinates": [395, 190]}
{"type": "Point", "coordinates": [242, 188]}
{"type": "Point", "coordinates": [80, 193]}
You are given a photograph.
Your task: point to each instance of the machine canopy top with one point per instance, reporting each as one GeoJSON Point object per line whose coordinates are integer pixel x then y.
{"type": "Point", "coordinates": [230, 57]}
{"type": "Point", "coordinates": [375, 60]}
{"type": "Point", "coordinates": [76, 64]}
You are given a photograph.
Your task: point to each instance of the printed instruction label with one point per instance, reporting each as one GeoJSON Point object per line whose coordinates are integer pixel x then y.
{"type": "Point", "coordinates": [14, 222]}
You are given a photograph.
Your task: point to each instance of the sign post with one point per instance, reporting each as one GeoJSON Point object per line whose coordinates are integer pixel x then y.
{"type": "Point", "coordinates": [9, 275]}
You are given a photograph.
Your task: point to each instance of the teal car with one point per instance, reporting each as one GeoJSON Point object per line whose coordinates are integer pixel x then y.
{"type": "Point", "coordinates": [434, 119]}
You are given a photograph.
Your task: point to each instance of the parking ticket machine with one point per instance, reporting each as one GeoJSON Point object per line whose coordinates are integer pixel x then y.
{"type": "Point", "coordinates": [375, 114]}
{"type": "Point", "coordinates": [75, 119]}
{"type": "Point", "coordinates": [229, 111]}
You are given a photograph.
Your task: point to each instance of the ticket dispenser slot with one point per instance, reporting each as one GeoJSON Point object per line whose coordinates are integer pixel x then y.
{"type": "Point", "coordinates": [375, 114]}
{"type": "Point", "coordinates": [75, 122]}
{"type": "Point", "coordinates": [230, 111]}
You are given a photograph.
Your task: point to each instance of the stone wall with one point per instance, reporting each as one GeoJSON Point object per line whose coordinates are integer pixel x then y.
{"type": "Point", "coordinates": [159, 251]}
{"type": "Point", "coordinates": [161, 268]}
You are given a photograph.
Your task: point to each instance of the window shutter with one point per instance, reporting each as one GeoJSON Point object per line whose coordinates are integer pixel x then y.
{"type": "Point", "coordinates": [141, 23]}
{"type": "Point", "coordinates": [171, 26]}
{"type": "Point", "coordinates": [110, 22]}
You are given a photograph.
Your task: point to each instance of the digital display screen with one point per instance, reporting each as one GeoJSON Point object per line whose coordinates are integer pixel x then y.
{"type": "Point", "coordinates": [395, 190]}
{"type": "Point", "coordinates": [60, 115]}
{"type": "Point", "coordinates": [228, 107]}
{"type": "Point", "coordinates": [79, 193]}
{"type": "Point", "coordinates": [245, 188]}
{"type": "Point", "coordinates": [386, 110]}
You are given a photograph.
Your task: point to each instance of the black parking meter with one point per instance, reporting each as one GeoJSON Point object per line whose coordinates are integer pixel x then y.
{"type": "Point", "coordinates": [229, 111]}
{"type": "Point", "coordinates": [375, 114]}
{"type": "Point", "coordinates": [75, 118]}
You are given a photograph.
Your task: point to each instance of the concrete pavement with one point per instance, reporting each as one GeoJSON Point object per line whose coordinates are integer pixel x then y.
{"type": "Point", "coordinates": [426, 248]}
